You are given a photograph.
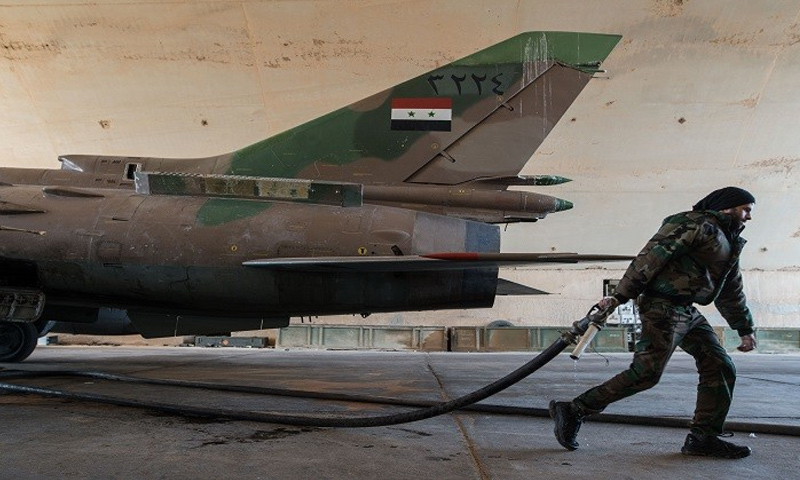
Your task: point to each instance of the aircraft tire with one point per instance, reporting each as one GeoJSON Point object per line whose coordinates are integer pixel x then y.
{"type": "Point", "coordinates": [17, 341]}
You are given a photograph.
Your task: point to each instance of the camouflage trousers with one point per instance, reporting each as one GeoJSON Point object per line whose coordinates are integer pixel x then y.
{"type": "Point", "coordinates": [664, 328]}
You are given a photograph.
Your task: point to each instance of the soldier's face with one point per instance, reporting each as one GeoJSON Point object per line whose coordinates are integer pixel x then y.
{"type": "Point", "coordinates": [742, 213]}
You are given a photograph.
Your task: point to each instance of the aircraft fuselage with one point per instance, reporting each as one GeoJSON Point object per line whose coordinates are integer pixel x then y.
{"type": "Point", "coordinates": [184, 254]}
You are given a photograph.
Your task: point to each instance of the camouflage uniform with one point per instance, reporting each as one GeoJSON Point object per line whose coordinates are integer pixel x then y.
{"type": "Point", "coordinates": [694, 258]}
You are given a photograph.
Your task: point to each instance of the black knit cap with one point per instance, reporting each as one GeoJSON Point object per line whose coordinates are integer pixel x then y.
{"type": "Point", "coordinates": [724, 198]}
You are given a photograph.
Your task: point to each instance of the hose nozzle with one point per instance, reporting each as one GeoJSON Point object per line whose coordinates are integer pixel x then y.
{"type": "Point", "coordinates": [586, 328]}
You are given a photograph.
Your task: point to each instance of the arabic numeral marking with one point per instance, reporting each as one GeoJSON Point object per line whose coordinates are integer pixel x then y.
{"type": "Point", "coordinates": [498, 84]}
{"type": "Point", "coordinates": [458, 82]}
{"type": "Point", "coordinates": [478, 82]}
{"type": "Point", "coordinates": [432, 81]}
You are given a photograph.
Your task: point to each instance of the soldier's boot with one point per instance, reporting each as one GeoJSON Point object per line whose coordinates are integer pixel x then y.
{"type": "Point", "coordinates": [568, 419]}
{"type": "Point", "coordinates": [712, 446]}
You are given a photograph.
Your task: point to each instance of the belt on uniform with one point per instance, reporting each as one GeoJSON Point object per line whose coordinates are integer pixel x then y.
{"type": "Point", "coordinates": [677, 300]}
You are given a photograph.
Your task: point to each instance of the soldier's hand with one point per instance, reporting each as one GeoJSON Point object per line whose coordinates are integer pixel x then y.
{"type": "Point", "coordinates": [748, 343]}
{"type": "Point", "coordinates": [608, 303]}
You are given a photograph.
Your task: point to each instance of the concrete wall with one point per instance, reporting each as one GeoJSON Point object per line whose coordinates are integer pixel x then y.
{"type": "Point", "coordinates": [698, 95]}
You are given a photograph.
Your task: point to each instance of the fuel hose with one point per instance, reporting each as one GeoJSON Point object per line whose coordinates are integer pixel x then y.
{"type": "Point", "coordinates": [300, 420]}
{"type": "Point", "coordinates": [425, 409]}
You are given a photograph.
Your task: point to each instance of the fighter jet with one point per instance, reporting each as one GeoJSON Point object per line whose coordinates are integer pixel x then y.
{"type": "Point", "coordinates": [389, 204]}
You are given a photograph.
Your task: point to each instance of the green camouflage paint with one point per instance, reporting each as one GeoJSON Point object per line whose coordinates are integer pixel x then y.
{"type": "Point", "coordinates": [353, 132]}
{"type": "Point", "coordinates": [477, 86]}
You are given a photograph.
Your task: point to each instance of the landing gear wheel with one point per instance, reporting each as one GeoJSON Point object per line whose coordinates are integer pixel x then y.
{"type": "Point", "coordinates": [17, 341]}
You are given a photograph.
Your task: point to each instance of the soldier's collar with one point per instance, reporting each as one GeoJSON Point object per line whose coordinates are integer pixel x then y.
{"type": "Point", "coordinates": [726, 221]}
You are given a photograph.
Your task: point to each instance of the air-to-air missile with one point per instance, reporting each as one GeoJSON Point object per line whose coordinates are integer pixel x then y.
{"type": "Point", "coordinates": [466, 201]}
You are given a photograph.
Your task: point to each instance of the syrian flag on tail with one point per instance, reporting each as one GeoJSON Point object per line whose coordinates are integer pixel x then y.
{"type": "Point", "coordinates": [422, 114]}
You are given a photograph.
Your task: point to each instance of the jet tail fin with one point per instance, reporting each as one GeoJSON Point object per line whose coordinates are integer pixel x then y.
{"type": "Point", "coordinates": [439, 142]}
{"type": "Point", "coordinates": [481, 116]}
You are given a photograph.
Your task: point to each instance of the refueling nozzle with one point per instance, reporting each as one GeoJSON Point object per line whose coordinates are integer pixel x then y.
{"type": "Point", "coordinates": [585, 329]}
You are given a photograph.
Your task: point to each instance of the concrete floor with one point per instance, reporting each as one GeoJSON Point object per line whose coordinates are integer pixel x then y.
{"type": "Point", "coordinates": [48, 438]}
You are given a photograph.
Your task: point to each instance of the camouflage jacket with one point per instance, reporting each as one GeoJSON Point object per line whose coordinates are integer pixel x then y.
{"type": "Point", "coordinates": [693, 258]}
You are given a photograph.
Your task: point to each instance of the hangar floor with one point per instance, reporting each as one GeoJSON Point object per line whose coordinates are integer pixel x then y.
{"type": "Point", "coordinates": [47, 438]}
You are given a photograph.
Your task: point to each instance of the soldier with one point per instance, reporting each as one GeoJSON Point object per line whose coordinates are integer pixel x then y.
{"type": "Point", "coordinates": [693, 258]}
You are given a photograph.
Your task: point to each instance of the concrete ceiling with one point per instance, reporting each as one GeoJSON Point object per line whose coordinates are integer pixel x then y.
{"type": "Point", "coordinates": [698, 95]}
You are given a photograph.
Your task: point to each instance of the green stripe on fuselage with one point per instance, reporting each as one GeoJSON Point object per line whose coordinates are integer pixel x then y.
{"type": "Point", "coordinates": [217, 211]}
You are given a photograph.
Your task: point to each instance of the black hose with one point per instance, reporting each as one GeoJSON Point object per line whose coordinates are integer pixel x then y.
{"type": "Point", "coordinates": [304, 421]}
{"type": "Point", "coordinates": [670, 422]}
{"type": "Point", "coordinates": [428, 409]}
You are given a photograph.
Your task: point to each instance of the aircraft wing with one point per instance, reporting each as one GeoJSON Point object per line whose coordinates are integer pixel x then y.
{"type": "Point", "coordinates": [429, 262]}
